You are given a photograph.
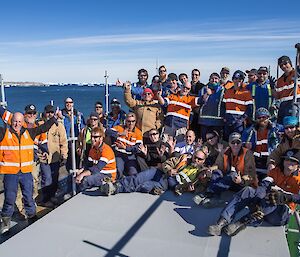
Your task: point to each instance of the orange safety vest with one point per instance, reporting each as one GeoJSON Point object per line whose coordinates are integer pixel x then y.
{"type": "Point", "coordinates": [106, 154]}
{"type": "Point", "coordinates": [238, 161]}
{"type": "Point", "coordinates": [16, 155]}
{"type": "Point", "coordinates": [180, 106]}
{"type": "Point", "coordinates": [130, 139]}
{"type": "Point", "coordinates": [285, 87]}
{"type": "Point", "coordinates": [287, 183]}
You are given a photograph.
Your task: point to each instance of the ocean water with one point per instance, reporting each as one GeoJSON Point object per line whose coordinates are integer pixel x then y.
{"type": "Point", "coordinates": [84, 97]}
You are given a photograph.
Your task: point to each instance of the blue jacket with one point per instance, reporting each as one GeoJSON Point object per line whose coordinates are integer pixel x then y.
{"type": "Point", "coordinates": [110, 122]}
{"type": "Point", "coordinates": [213, 110]}
{"type": "Point", "coordinates": [79, 122]}
{"type": "Point", "coordinates": [274, 130]}
{"type": "Point", "coordinates": [137, 90]}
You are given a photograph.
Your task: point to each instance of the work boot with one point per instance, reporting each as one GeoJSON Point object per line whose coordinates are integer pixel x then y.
{"type": "Point", "coordinates": [32, 219]}
{"type": "Point", "coordinates": [215, 230]}
{"type": "Point", "coordinates": [213, 202]}
{"type": "Point", "coordinates": [5, 224]}
{"type": "Point", "coordinates": [234, 228]}
{"type": "Point", "coordinates": [108, 188]}
{"type": "Point", "coordinates": [198, 199]}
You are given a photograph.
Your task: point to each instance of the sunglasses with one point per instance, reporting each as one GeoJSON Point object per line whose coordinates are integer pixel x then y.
{"type": "Point", "coordinates": [130, 121]}
{"type": "Point", "coordinates": [95, 136]}
{"type": "Point", "coordinates": [69, 102]}
{"type": "Point", "coordinates": [210, 138]}
{"type": "Point", "coordinates": [290, 127]}
{"type": "Point", "coordinates": [98, 107]}
{"type": "Point", "coordinates": [153, 134]}
{"type": "Point", "coordinates": [162, 71]}
{"type": "Point", "coordinates": [236, 142]}
{"type": "Point", "coordinates": [50, 112]}
{"type": "Point", "coordinates": [198, 158]}
{"type": "Point", "coordinates": [32, 113]}
{"type": "Point", "coordinates": [187, 88]}
{"type": "Point", "coordinates": [262, 73]}
{"type": "Point", "coordinates": [147, 94]}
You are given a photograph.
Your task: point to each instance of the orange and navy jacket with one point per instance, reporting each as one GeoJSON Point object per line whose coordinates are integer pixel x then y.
{"type": "Point", "coordinates": [238, 103]}
{"type": "Point", "coordinates": [287, 183]}
{"type": "Point", "coordinates": [285, 87]}
{"type": "Point", "coordinates": [17, 150]}
{"type": "Point", "coordinates": [179, 108]}
{"type": "Point", "coordinates": [131, 139]}
{"type": "Point", "coordinates": [103, 159]}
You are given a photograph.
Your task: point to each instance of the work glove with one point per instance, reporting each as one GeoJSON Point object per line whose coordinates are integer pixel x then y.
{"type": "Point", "coordinates": [279, 198]}
{"type": "Point", "coordinates": [272, 82]}
{"type": "Point", "coordinates": [63, 162]}
{"type": "Point", "coordinates": [257, 213]}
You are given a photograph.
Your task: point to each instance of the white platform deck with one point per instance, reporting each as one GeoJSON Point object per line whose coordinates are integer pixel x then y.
{"type": "Point", "coordinates": [138, 225]}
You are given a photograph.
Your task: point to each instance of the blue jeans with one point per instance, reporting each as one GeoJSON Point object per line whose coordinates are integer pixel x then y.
{"type": "Point", "coordinates": [11, 182]}
{"type": "Point", "coordinates": [221, 182]}
{"type": "Point", "coordinates": [94, 180]}
{"type": "Point", "coordinates": [131, 167]}
{"type": "Point", "coordinates": [50, 174]}
{"type": "Point", "coordinates": [277, 215]}
{"type": "Point", "coordinates": [144, 182]}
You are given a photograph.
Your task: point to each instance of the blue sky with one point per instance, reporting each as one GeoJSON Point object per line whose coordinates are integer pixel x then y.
{"type": "Point", "coordinates": [76, 41]}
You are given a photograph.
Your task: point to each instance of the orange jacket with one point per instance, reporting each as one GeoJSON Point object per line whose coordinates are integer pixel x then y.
{"type": "Point", "coordinates": [129, 139]}
{"type": "Point", "coordinates": [285, 87]}
{"type": "Point", "coordinates": [287, 183]}
{"type": "Point", "coordinates": [180, 106]}
{"type": "Point", "coordinates": [16, 155]}
{"type": "Point", "coordinates": [106, 154]}
{"type": "Point", "coordinates": [238, 101]}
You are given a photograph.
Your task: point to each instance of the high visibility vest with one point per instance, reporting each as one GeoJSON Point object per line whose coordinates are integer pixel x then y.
{"type": "Point", "coordinates": [285, 87]}
{"type": "Point", "coordinates": [287, 183]}
{"type": "Point", "coordinates": [269, 96]}
{"type": "Point", "coordinates": [130, 139]}
{"type": "Point", "coordinates": [237, 101]}
{"type": "Point", "coordinates": [180, 106]}
{"type": "Point", "coordinates": [239, 164]}
{"type": "Point", "coordinates": [16, 155]}
{"type": "Point", "coordinates": [106, 154]}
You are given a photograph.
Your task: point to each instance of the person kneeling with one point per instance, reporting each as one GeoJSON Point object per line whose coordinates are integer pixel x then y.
{"type": "Point", "coordinates": [101, 164]}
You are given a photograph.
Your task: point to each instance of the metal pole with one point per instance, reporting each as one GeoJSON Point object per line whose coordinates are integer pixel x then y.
{"type": "Point", "coordinates": [157, 73]}
{"type": "Point", "coordinates": [295, 104]}
{"type": "Point", "coordinates": [3, 100]}
{"type": "Point", "coordinates": [106, 94]}
{"type": "Point", "coordinates": [73, 139]}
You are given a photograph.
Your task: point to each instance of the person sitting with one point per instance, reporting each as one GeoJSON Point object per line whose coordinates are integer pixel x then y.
{"type": "Point", "coordinates": [116, 116]}
{"type": "Point", "coordinates": [85, 140]}
{"type": "Point", "coordinates": [215, 146]}
{"type": "Point", "coordinates": [149, 114]}
{"type": "Point", "coordinates": [291, 139]}
{"type": "Point", "coordinates": [154, 151]}
{"type": "Point", "coordinates": [184, 171]}
{"type": "Point", "coordinates": [236, 169]}
{"type": "Point", "coordinates": [101, 166]}
{"type": "Point", "coordinates": [126, 139]}
{"type": "Point", "coordinates": [185, 147]}
{"type": "Point", "coordinates": [262, 138]}
{"type": "Point", "coordinates": [273, 200]}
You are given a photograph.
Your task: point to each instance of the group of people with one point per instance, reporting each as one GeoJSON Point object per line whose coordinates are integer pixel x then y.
{"type": "Point", "coordinates": [179, 134]}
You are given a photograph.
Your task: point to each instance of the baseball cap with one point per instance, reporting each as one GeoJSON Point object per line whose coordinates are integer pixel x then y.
{"type": "Point", "coordinates": [284, 59]}
{"type": "Point", "coordinates": [30, 108]}
{"type": "Point", "coordinates": [235, 137]}
{"type": "Point", "coordinates": [94, 114]}
{"type": "Point", "coordinates": [293, 155]}
{"type": "Point", "coordinates": [115, 102]}
{"type": "Point", "coordinates": [214, 74]}
{"type": "Point", "coordinates": [49, 108]}
{"type": "Point", "coordinates": [225, 70]}
{"type": "Point", "coordinates": [252, 71]}
{"type": "Point", "coordinates": [263, 69]}
{"type": "Point", "coordinates": [262, 112]}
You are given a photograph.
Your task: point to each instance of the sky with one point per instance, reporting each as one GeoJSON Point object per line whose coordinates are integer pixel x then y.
{"type": "Point", "coordinates": [71, 41]}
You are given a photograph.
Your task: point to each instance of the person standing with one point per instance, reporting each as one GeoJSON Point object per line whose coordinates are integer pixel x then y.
{"type": "Point", "coordinates": [17, 150]}
{"type": "Point", "coordinates": [137, 88]}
